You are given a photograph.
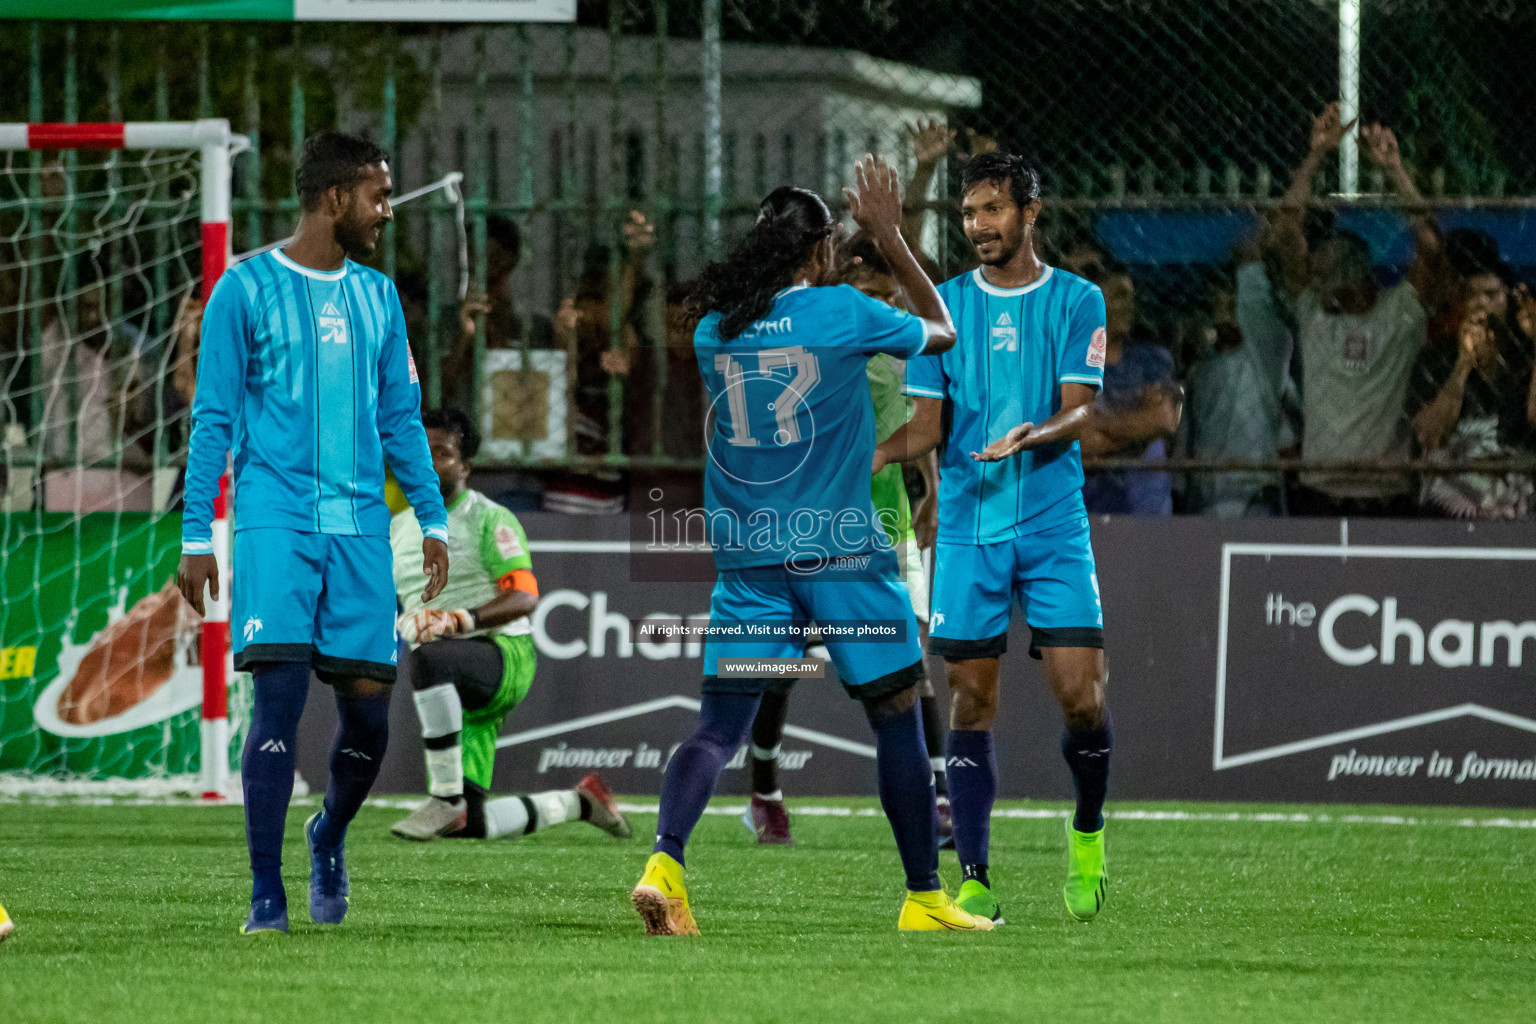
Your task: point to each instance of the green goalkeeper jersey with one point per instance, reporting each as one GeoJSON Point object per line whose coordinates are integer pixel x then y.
{"type": "Point", "coordinates": [485, 543]}
{"type": "Point", "coordinates": [892, 409]}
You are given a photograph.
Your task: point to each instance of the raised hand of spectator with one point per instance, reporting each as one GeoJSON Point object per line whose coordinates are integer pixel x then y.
{"type": "Point", "coordinates": [1327, 129]}
{"type": "Point", "coordinates": [1525, 311]}
{"type": "Point", "coordinates": [639, 233]}
{"type": "Point", "coordinates": [567, 320]}
{"type": "Point", "coordinates": [1472, 341]}
{"type": "Point", "coordinates": [1381, 146]}
{"type": "Point", "coordinates": [931, 139]}
{"type": "Point", "coordinates": [473, 306]}
{"type": "Point", "coordinates": [976, 143]}
{"type": "Point", "coordinates": [615, 360]}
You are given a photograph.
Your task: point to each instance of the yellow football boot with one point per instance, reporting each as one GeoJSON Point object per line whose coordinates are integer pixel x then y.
{"type": "Point", "coordinates": [936, 911]}
{"type": "Point", "coordinates": [661, 899]}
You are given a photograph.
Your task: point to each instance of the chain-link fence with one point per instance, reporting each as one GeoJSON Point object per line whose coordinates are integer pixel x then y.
{"type": "Point", "coordinates": [605, 160]}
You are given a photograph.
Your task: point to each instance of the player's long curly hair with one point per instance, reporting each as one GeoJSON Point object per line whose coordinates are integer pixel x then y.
{"type": "Point", "coordinates": [790, 223]}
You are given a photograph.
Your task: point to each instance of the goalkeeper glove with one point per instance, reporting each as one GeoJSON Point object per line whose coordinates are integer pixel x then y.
{"type": "Point", "coordinates": [431, 623]}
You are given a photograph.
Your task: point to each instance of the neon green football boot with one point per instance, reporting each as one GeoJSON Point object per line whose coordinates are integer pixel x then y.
{"type": "Point", "coordinates": [1087, 879]}
{"type": "Point", "coordinates": [976, 899]}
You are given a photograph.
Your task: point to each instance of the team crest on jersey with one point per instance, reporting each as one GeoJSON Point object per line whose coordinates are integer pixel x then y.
{"type": "Point", "coordinates": [333, 326]}
{"type": "Point", "coordinates": [1097, 348]}
{"type": "Point", "coordinates": [1005, 334]}
{"type": "Point", "coordinates": [507, 542]}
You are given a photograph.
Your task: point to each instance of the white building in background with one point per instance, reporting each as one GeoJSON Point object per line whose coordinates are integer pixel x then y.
{"type": "Point", "coordinates": [790, 115]}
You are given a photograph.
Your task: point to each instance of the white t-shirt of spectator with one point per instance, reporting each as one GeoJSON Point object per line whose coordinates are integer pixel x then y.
{"type": "Point", "coordinates": [1355, 372]}
{"type": "Point", "coordinates": [1236, 405]}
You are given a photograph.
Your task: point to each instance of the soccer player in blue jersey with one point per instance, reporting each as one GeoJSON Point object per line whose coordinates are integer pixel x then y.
{"type": "Point", "coordinates": [1021, 381]}
{"type": "Point", "coordinates": [305, 373]}
{"type": "Point", "coordinates": [792, 525]}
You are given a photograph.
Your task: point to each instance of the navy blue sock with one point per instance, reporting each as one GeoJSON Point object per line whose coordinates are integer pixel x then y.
{"type": "Point", "coordinates": [972, 773]}
{"type": "Point", "coordinates": [933, 739]}
{"type": "Point", "coordinates": [906, 793]}
{"type": "Point", "coordinates": [361, 737]}
{"type": "Point", "coordinates": [724, 719]}
{"type": "Point", "coordinates": [266, 768]}
{"type": "Point", "coordinates": [1087, 754]}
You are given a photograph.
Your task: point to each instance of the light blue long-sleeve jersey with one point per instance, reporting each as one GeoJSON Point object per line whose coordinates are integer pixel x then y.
{"type": "Point", "coordinates": [307, 377]}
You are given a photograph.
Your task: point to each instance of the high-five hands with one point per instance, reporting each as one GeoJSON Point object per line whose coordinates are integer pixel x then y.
{"type": "Point", "coordinates": [874, 202]}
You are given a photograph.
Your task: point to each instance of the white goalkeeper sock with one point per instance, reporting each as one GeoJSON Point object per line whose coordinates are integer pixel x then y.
{"type": "Point", "coordinates": [508, 816]}
{"type": "Point", "coordinates": [520, 815]}
{"type": "Point", "coordinates": [442, 718]}
{"type": "Point", "coordinates": [556, 807]}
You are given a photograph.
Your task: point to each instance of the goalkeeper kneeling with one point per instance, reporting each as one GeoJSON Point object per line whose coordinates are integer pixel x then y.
{"type": "Point", "coordinates": [472, 658]}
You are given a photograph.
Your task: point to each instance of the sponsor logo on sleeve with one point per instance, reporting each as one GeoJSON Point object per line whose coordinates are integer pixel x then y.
{"type": "Point", "coordinates": [411, 362]}
{"type": "Point", "coordinates": [1097, 347]}
{"type": "Point", "coordinates": [507, 542]}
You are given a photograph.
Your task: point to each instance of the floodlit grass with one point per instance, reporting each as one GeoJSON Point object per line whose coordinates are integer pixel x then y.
{"type": "Point", "coordinates": [129, 913]}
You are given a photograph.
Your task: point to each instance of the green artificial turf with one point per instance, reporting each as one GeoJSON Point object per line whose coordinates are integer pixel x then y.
{"type": "Point", "coordinates": [129, 913]}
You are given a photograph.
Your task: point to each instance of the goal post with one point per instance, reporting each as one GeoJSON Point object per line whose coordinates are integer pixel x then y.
{"type": "Point", "coordinates": [136, 673]}
{"type": "Point", "coordinates": [109, 681]}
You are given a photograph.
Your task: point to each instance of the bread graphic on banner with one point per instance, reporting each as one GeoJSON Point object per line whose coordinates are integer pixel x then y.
{"type": "Point", "coordinates": [129, 660]}
{"type": "Point", "coordinates": [139, 669]}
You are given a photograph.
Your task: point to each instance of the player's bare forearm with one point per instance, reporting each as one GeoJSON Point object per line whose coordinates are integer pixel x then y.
{"type": "Point", "coordinates": [914, 439]}
{"type": "Point", "coordinates": [875, 205]}
{"type": "Point", "coordinates": [921, 293]}
{"type": "Point", "coordinates": [903, 446]}
{"type": "Point", "coordinates": [1064, 427]}
{"type": "Point", "coordinates": [505, 607]}
{"type": "Point", "coordinates": [928, 466]}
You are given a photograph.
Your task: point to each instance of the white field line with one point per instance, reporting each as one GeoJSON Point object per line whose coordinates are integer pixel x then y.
{"type": "Point", "coordinates": [1036, 813]}
{"type": "Point", "coordinates": [409, 803]}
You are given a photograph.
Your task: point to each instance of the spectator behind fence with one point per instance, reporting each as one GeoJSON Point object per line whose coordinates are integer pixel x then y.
{"type": "Point", "coordinates": [189, 334]}
{"type": "Point", "coordinates": [584, 327]}
{"type": "Point", "coordinates": [1358, 344]}
{"type": "Point", "coordinates": [1478, 401]}
{"type": "Point", "coordinates": [590, 311]}
{"type": "Point", "coordinates": [1242, 393]}
{"type": "Point", "coordinates": [1468, 253]}
{"type": "Point", "coordinates": [95, 424]}
{"type": "Point", "coordinates": [504, 324]}
{"type": "Point", "coordinates": [674, 402]}
{"type": "Point", "coordinates": [1135, 413]}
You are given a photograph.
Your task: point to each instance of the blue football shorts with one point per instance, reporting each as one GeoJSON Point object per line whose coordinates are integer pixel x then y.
{"type": "Point", "coordinates": [1049, 573]}
{"type": "Point", "coordinates": [859, 604]}
{"type": "Point", "coordinates": [320, 598]}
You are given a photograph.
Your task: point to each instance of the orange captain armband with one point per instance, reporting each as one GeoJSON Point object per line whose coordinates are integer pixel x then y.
{"type": "Point", "coordinates": [519, 579]}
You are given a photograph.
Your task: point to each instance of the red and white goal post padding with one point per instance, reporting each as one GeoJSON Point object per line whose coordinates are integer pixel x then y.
{"type": "Point", "coordinates": [212, 139]}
